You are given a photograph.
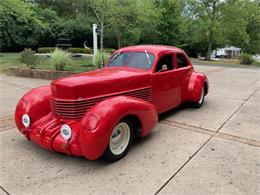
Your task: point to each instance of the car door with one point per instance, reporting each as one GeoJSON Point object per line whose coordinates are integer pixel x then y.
{"type": "Point", "coordinates": [166, 88]}
{"type": "Point", "coordinates": [183, 69]}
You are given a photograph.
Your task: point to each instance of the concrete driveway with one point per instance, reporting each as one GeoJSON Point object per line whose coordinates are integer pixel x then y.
{"type": "Point", "coordinates": [212, 150]}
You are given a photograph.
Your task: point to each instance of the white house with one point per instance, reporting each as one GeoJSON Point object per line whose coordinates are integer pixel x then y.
{"type": "Point", "coordinates": [229, 52]}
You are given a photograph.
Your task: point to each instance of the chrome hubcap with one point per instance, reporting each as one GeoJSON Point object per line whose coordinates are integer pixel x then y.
{"type": "Point", "coordinates": [119, 138]}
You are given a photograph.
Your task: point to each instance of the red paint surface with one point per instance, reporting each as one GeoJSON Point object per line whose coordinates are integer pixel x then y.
{"type": "Point", "coordinates": [92, 103]}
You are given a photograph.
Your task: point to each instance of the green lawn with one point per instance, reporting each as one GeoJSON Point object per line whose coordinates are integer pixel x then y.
{"type": "Point", "coordinates": [221, 61]}
{"type": "Point", "coordinates": [83, 64]}
{"type": "Point", "coordinates": [8, 60]}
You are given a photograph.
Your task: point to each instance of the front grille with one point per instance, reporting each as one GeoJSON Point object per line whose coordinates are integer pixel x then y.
{"type": "Point", "coordinates": [77, 108]}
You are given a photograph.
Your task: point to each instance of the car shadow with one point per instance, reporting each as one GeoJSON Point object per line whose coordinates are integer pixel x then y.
{"type": "Point", "coordinates": [173, 111]}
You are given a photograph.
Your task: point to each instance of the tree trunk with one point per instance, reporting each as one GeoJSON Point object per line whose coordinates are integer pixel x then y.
{"type": "Point", "coordinates": [210, 41]}
{"type": "Point", "coordinates": [101, 37]}
{"type": "Point", "coordinates": [119, 44]}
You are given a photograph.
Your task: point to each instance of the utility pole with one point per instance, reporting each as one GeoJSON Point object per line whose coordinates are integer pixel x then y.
{"type": "Point", "coordinates": [95, 46]}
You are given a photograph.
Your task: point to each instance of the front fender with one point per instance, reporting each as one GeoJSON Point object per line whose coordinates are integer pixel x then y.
{"type": "Point", "coordinates": [35, 103]}
{"type": "Point", "coordinates": [194, 85]}
{"type": "Point", "coordinates": [98, 123]}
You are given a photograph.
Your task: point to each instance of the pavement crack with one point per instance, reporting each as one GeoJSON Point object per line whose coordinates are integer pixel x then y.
{"type": "Point", "coordinates": [160, 189]}
{"type": "Point", "coordinates": [241, 105]}
{"type": "Point", "coordinates": [212, 134]}
{"type": "Point", "coordinates": [7, 193]}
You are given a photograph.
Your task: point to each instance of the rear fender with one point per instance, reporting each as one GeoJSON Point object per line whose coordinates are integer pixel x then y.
{"type": "Point", "coordinates": [193, 87]}
{"type": "Point", "coordinates": [35, 103]}
{"type": "Point", "coordinates": [99, 121]}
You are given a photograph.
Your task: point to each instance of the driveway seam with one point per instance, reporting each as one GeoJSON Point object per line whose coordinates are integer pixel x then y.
{"type": "Point", "coordinates": [209, 132]}
{"type": "Point", "coordinates": [246, 100]}
{"type": "Point", "coordinates": [160, 189]}
{"type": "Point", "coordinates": [7, 193]}
{"type": "Point", "coordinates": [211, 136]}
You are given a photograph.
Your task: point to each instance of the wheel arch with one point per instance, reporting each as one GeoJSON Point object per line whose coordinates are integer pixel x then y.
{"type": "Point", "coordinates": [35, 103]}
{"type": "Point", "coordinates": [193, 87]}
{"type": "Point", "coordinates": [108, 113]}
{"type": "Point", "coordinates": [136, 122]}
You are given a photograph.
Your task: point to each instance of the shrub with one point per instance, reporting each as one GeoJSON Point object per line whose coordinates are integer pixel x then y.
{"type": "Point", "coordinates": [100, 59]}
{"type": "Point", "coordinates": [109, 50]}
{"type": "Point", "coordinates": [46, 49]}
{"type": "Point", "coordinates": [60, 58]}
{"type": "Point", "coordinates": [28, 57]}
{"type": "Point", "coordinates": [79, 50]}
{"type": "Point", "coordinates": [246, 59]}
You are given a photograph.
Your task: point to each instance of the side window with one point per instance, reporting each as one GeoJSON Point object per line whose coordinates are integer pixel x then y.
{"type": "Point", "coordinates": [165, 63]}
{"type": "Point", "coordinates": [182, 61]}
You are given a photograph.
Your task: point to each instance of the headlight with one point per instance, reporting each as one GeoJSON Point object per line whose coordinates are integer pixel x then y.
{"type": "Point", "coordinates": [66, 132]}
{"type": "Point", "coordinates": [26, 120]}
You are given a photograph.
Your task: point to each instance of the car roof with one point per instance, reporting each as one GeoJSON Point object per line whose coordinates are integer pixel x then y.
{"type": "Point", "coordinates": [155, 49]}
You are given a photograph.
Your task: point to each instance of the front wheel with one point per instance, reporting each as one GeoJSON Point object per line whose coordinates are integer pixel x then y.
{"type": "Point", "coordinates": [201, 100]}
{"type": "Point", "coordinates": [119, 142]}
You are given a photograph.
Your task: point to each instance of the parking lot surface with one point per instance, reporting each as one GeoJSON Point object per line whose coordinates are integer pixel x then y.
{"type": "Point", "coordinates": [211, 150]}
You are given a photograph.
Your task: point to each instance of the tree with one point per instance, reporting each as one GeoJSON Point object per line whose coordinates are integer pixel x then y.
{"type": "Point", "coordinates": [171, 28]}
{"type": "Point", "coordinates": [207, 17]}
{"type": "Point", "coordinates": [19, 24]}
{"type": "Point", "coordinates": [124, 22]}
{"type": "Point", "coordinates": [100, 9]}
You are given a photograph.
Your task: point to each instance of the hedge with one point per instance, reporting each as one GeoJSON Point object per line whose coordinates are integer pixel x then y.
{"type": "Point", "coordinates": [71, 50]}
{"type": "Point", "coordinates": [46, 49]}
{"type": "Point", "coordinates": [79, 50]}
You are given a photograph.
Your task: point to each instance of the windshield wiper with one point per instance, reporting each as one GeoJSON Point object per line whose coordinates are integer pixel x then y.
{"type": "Point", "coordinates": [148, 57]}
{"type": "Point", "coordinates": [115, 56]}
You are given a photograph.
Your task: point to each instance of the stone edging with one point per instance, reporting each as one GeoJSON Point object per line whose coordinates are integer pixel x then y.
{"type": "Point", "coordinates": [36, 73]}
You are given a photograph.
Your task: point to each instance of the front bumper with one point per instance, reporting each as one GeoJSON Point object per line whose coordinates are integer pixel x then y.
{"type": "Point", "coordinates": [46, 133]}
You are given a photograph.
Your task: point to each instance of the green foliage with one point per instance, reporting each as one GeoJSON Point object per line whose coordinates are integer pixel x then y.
{"type": "Point", "coordinates": [79, 50]}
{"type": "Point", "coordinates": [8, 60]}
{"type": "Point", "coordinates": [100, 59]}
{"type": "Point", "coordinates": [28, 57]}
{"type": "Point", "coordinates": [70, 50]}
{"type": "Point", "coordinates": [246, 59]}
{"type": "Point", "coordinates": [171, 28]}
{"type": "Point", "coordinates": [60, 58]}
{"type": "Point", "coordinates": [21, 24]}
{"type": "Point", "coordinates": [46, 49]}
{"type": "Point", "coordinates": [109, 50]}
{"type": "Point", "coordinates": [200, 25]}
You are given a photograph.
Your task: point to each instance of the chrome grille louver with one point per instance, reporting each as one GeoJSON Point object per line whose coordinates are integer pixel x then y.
{"type": "Point", "coordinates": [77, 108]}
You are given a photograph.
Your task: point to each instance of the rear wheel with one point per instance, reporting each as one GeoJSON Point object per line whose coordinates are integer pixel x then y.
{"type": "Point", "coordinates": [201, 100]}
{"type": "Point", "coordinates": [120, 141]}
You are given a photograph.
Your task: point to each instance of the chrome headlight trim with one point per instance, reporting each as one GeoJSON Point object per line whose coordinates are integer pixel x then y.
{"type": "Point", "coordinates": [66, 132]}
{"type": "Point", "coordinates": [26, 120]}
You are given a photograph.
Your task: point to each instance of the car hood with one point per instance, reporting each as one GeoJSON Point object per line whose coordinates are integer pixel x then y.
{"type": "Point", "coordinates": [99, 82]}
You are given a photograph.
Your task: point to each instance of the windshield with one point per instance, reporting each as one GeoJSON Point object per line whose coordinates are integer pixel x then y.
{"type": "Point", "coordinates": [142, 60]}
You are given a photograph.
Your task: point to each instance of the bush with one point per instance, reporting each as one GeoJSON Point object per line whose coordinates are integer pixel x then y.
{"type": "Point", "coordinates": [109, 50]}
{"type": "Point", "coordinates": [28, 57]}
{"type": "Point", "coordinates": [79, 50]}
{"type": "Point", "coordinates": [60, 58]}
{"type": "Point", "coordinates": [46, 49]}
{"type": "Point", "coordinates": [246, 59]}
{"type": "Point", "coordinates": [100, 59]}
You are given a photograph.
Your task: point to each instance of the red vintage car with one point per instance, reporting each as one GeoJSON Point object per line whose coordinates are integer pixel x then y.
{"type": "Point", "coordinates": [99, 113]}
